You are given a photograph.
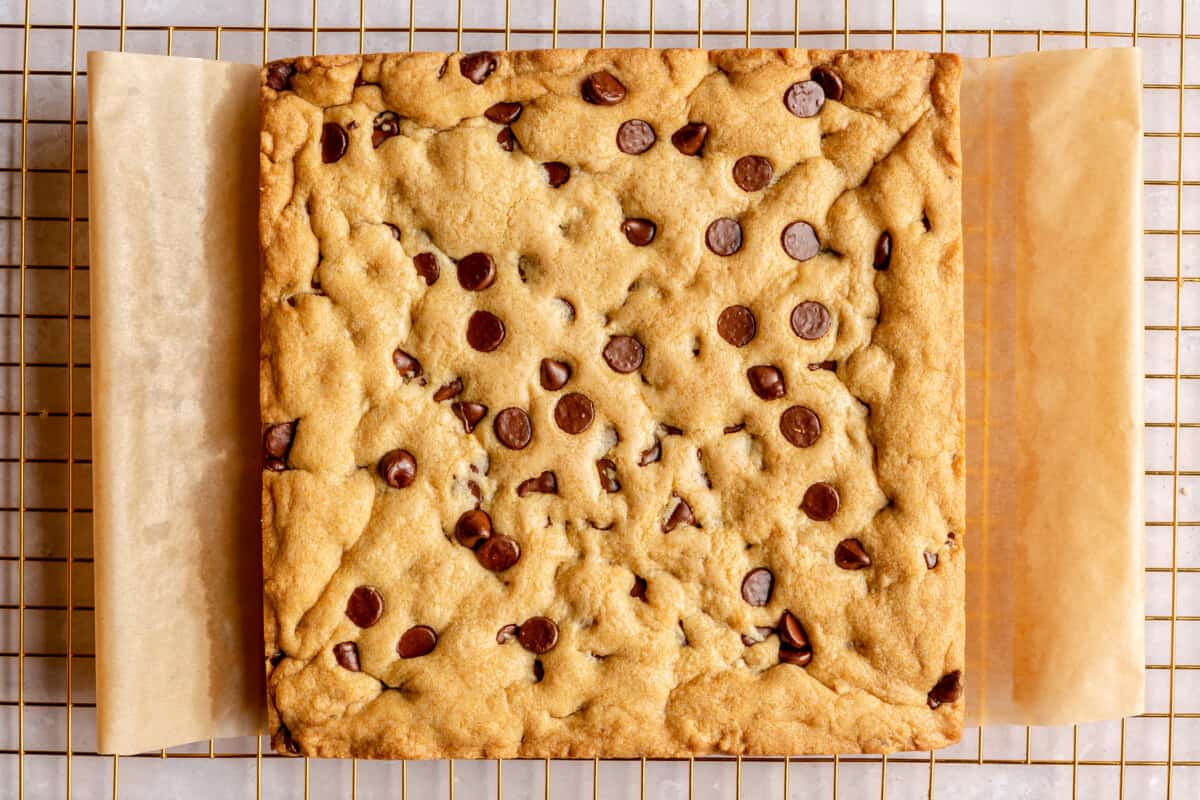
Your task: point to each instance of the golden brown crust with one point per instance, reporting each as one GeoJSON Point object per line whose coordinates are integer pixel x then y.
{"type": "Point", "coordinates": [668, 675]}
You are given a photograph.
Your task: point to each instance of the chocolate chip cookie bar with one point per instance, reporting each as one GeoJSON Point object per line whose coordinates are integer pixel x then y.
{"type": "Point", "coordinates": [613, 403]}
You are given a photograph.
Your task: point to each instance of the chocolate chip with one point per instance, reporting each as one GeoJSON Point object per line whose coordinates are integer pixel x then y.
{"type": "Point", "coordinates": [277, 657]}
{"type": "Point", "coordinates": [538, 635]}
{"type": "Point", "coordinates": [417, 641]}
{"type": "Point", "coordinates": [475, 491]}
{"type": "Point", "coordinates": [346, 654]}
{"type": "Point", "coordinates": [513, 428]}
{"type": "Point", "coordinates": [574, 413]}
{"type": "Point", "coordinates": [334, 141]}
{"type": "Point", "coordinates": [539, 671]}
{"type": "Point", "coordinates": [554, 374]}
{"type": "Point", "coordinates": [398, 468]}
{"type": "Point", "coordinates": [931, 559]}
{"type": "Point", "coordinates": [406, 365]}
{"type": "Point", "coordinates": [829, 82]}
{"type": "Point", "coordinates": [498, 553]}
{"type": "Point", "coordinates": [734, 428]}
{"type": "Point", "coordinates": [395, 231]}
{"type": "Point", "coordinates": [649, 456]}
{"type": "Point", "coordinates": [506, 139]}
{"type": "Point", "coordinates": [608, 475]}
{"type": "Point", "coordinates": [506, 634]}
{"type": "Point", "coordinates": [800, 656]}
{"type": "Point", "coordinates": [635, 136]}
{"type": "Point", "coordinates": [762, 632]}
{"type": "Point", "coordinates": [752, 173]}
{"type": "Point", "coordinates": [504, 113]}
{"type": "Point", "coordinates": [470, 414]}
{"type": "Point", "coordinates": [850, 554]}
{"type": "Point", "coordinates": [737, 325]}
{"type": "Point", "coordinates": [946, 690]}
{"type": "Point", "coordinates": [274, 464]}
{"type": "Point", "coordinates": [427, 267]}
{"type": "Point", "coordinates": [800, 426]}
{"type": "Point", "coordinates": [690, 138]}
{"type": "Point", "coordinates": [639, 232]}
{"type": "Point", "coordinates": [639, 588]}
{"type": "Point", "coordinates": [279, 75]}
{"type": "Point", "coordinates": [624, 354]}
{"type": "Point", "coordinates": [602, 89]}
{"type": "Point", "coordinates": [386, 125]}
{"type": "Point", "coordinates": [446, 391]}
{"type": "Point", "coordinates": [365, 606]}
{"type": "Point", "coordinates": [476, 272]}
{"type": "Point", "coordinates": [277, 439]}
{"type": "Point", "coordinates": [289, 744]}
{"type": "Point", "coordinates": [472, 528]}
{"type": "Point", "coordinates": [820, 502]}
{"type": "Point", "coordinates": [476, 67]}
{"type": "Point", "coordinates": [926, 223]}
{"type": "Point", "coordinates": [883, 251]}
{"type": "Point", "coordinates": [546, 483]}
{"type": "Point", "coordinates": [800, 241]}
{"type": "Point", "coordinates": [671, 430]}
{"type": "Point", "coordinates": [557, 173]}
{"type": "Point", "coordinates": [485, 331]}
{"type": "Point", "coordinates": [724, 236]}
{"type": "Point", "coordinates": [680, 515]}
{"type": "Point", "coordinates": [794, 647]}
{"type": "Point", "coordinates": [766, 381]}
{"type": "Point", "coordinates": [757, 586]}
{"type": "Point", "coordinates": [829, 365]}
{"type": "Point", "coordinates": [804, 99]}
{"type": "Point", "coordinates": [810, 320]}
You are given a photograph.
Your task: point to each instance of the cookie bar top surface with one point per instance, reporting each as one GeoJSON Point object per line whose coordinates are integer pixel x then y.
{"type": "Point", "coordinates": [613, 403]}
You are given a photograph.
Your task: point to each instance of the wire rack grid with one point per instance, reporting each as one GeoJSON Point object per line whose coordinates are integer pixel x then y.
{"type": "Point", "coordinates": [47, 708]}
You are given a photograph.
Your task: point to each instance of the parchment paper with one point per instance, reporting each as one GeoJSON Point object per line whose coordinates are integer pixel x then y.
{"type": "Point", "coordinates": [1052, 221]}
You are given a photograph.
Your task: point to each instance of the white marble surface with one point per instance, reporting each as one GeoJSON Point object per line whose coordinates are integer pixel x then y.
{"type": "Point", "coordinates": [45, 727]}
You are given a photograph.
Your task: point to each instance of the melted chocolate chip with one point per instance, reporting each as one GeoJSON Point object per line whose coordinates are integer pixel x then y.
{"type": "Point", "coordinates": [365, 606]}
{"type": "Point", "coordinates": [427, 267]}
{"type": "Point", "coordinates": [829, 81]}
{"type": "Point", "coordinates": [850, 554]}
{"type": "Point", "coordinates": [277, 439]}
{"type": "Point", "coordinates": [829, 365]}
{"type": "Point", "coordinates": [639, 232]}
{"type": "Point", "coordinates": [800, 656]}
{"type": "Point", "coordinates": [546, 483]}
{"type": "Point", "coordinates": [757, 586]}
{"type": "Point", "coordinates": [800, 241]}
{"type": "Point", "coordinates": [574, 413]}
{"type": "Point", "coordinates": [279, 75]}
{"type": "Point", "coordinates": [650, 455]}
{"type": "Point", "coordinates": [800, 426]}
{"type": "Point", "coordinates": [398, 468]}
{"type": "Point", "coordinates": [635, 136]}
{"type": "Point", "coordinates": [470, 414]}
{"type": "Point", "coordinates": [820, 502]}
{"type": "Point", "coordinates": [946, 690]}
{"type": "Point", "coordinates": [506, 139]}
{"type": "Point", "coordinates": [513, 428]}
{"type": "Point", "coordinates": [734, 428]}
{"type": "Point", "coordinates": [737, 325]}
{"type": "Point", "coordinates": [557, 173]}
{"type": "Point", "coordinates": [624, 354]}
{"type": "Point", "coordinates": [417, 641]}
{"type": "Point", "coordinates": [752, 173]}
{"type": "Point", "coordinates": [539, 671]}
{"type": "Point", "coordinates": [602, 89]}
{"type": "Point", "coordinates": [804, 99]}
{"type": "Point", "coordinates": [346, 654]}
{"type": "Point", "coordinates": [472, 528]}
{"type": "Point", "coordinates": [506, 634]}
{"type": "Point", "coordinates": [334, 141]}
{"type": "Point", "coordinates": [810, 320]}
{"type": "Point", "coordinates": [639, 588]}
{"type": "Point", "coordinates": [498, 553]}
{"type": "Point", "coordinates": [277, 657]}
{"type": "Point", "coordinates": [476, 67]}
{"type": "Point", "coordinates": [446, 391]}
{"type": "Point", "coordinates": [504, 113]}
{"type": "Point", "coordinates": [724, 236]}
{"type": "Point", "coordinates": [883, 251]}
{"type": "Point", "coordinates": [689, 139]}
{"type": "Point", "coordinates": [485, 331]}
{"type": "Point", "coordinates": [680, 515]}
{"type": "Point", "coordinates": [386, 125]}
{"type": "Point", "coordinates": [406, 365]}
{"type": "Point", "coordinates": [538, 635]}
{"type": "Point", "coordinates": [931, 559]}
{"type": "Point", "coordinates": [607, 468]}
{"type": "Point", "coordinates": [476, 272]}
{"type": "Point", "coordinates": [554, 374]}
{"type": "Point", "coordinates": [766, 381]}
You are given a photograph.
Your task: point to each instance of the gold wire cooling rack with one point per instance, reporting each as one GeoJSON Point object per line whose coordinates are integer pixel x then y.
{"type": "Point", "coordinates": [45, 406]}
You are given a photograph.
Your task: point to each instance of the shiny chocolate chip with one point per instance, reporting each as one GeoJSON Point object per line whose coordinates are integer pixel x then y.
{"type": "Point", "coordinates": [689, 139]}
{"type": "Point", "coordinates": [334, 141]}
{"type": "Point", "coordinates": [472, 528]}
{"type": "Point", "coordinates": [800, 426]}
{"type": "Point", "coordinates": [800, 241]}
{"type": "Point", "coordinates": [849, 554]}
{"type": "Point", "coordinates": [398, 468]}
{"type": "Point", "coordinates": [504, 113]}
{"type": "Point", "coordinates": [557, 173]}
{"type": "Point", "coordinates": [821, 502]}
{"type": "Point", "coordinates": [277, 657]}
{"type": "Point", "coordinates": [766, 381]}
{"type": "Point", "coordinates": [574, 413]}
{"type": "Point", "coordinates": [810, 320]}
{"type": "Point", "coordinates": [446, 391]}
{"type": "Point", "coordinates": [279, 75]}
{"type": "Point", "coordinates": [680, 515]}
{"type": "Point", "coordinates": [277, 439]}
{"type": "Point", "coordinates": [386, 125]}
{"type": "Point", "coordinates": [651, 454]}
{"type": "Point", "coordinates": [538, 635]}
{"type": "Point", "coordinates": [417, 641]}
{"type": "Point", "coordinates": [485, 331]}
{"type": "Point", "coordinates": [406, 365]}
{"type": "Point", "coordinates": [723, 236]}
{"type": "Point", "coordinates": [470, 414]}
{"type": "Point", "coordinates": [804, 98]}
{"type": "Point", "coordinates": [946, 690]}
{"type": "Point", "coordinates": [346, 655]}
{"type": "Point", "coordinates": [931, 559]}
{"type": "Point", "coordinates": [498, 553]}
{"type": "Point", "coordinates": [757, 586]}
{"type": "Point", "coordinates": [639, 232]}
{"type": "Point", "coordinates": [427, 267]}
{"type": "Point", "coordinates": [752, 173]}
{"type": "Point", "coordinates": [513, 428]}
{"type": "Point", "coordinates": [476, 67]}
{"type": "Point", "coordinates": [635, 136]}
{"type": "Point", "coordinates": [883, 251]}
{"type": "Point", "coordinates": [554, 374]}
{"type": "Point", "coordinates": [546, 483]}
{"type": "Point", "coordinates": [603, 89]}
{"type": "Point", "coordinates": [476, 272]}
{"type": "Point", "coordinates": [800, 656]}
{"type": "Point", "coordinates": [607, 468]}
{"type": "Point", "coordinates": [737, 325]}
{"type": "Point", "coordinates": [829, 81]}
{"type": "Point", "coordinates": [624, 354]}
{"type": "Point", "coordinates": [639, 588]}
{"type": "Point", "coordinates": [506, 634]}
{"type": "Point", "coordinates": [365, 606]}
